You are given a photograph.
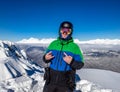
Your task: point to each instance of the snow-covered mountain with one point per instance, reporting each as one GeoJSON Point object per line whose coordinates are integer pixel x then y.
{"type": "Point", "coordinates": [14, 62]}
{"type": "Point", "coordinates": [96, 56]}
{"type": "Point", "coordinates": [96, 41]}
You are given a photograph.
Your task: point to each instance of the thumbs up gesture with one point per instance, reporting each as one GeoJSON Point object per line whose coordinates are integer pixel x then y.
{"type": "Point", "coordinates": [67, 58]}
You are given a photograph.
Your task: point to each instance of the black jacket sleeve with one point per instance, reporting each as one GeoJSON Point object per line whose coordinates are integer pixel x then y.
{"type": "Point", "coordinates": [46, 61]}
{"type": "Point", "coordinates": [76, 65]}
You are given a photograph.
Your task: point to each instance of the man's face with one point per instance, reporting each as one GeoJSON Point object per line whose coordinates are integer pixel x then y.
{"type": "Point", "coordinates": [65, 32]}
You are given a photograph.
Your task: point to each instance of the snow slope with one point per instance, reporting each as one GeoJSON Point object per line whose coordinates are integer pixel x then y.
{"type": "Point", "coordinates": [35, 83]}
{"type": "Point", "coordinates": [14, 62]}
{"type": "Point", "coordinates": [106, 79]}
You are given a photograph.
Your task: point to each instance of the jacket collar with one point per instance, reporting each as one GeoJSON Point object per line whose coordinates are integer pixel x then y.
{"type": "Point", "coordinates": [63, 42]}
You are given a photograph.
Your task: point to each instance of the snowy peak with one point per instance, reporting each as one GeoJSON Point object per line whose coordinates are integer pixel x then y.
{"type": "Point", "coordinates": [8, 49]}
{"type": "Point", "coordinates": [14, 62]}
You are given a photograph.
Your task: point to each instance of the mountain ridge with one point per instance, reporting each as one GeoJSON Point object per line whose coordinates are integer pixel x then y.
{"type": "Point", "coordinates": [14, 62]}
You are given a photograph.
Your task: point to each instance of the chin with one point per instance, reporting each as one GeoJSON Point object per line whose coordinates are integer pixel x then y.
{"type": "Point", "coordinates": [64, 37]}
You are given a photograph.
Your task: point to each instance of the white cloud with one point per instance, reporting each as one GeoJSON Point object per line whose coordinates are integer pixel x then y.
{"type": "Point", "coordinates": [102, 41]}
{"type": "Point", "coordinates": [35, 40]}
{"type": "Point", "coordinates": [95, 41]}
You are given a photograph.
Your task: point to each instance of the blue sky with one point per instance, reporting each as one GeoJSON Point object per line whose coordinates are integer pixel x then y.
{"type": "Point", "coordinates": [92, 19]}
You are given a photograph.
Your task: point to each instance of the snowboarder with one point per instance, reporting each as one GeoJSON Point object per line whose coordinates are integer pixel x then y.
{"type": "Point", "coordinates": [65, 58]}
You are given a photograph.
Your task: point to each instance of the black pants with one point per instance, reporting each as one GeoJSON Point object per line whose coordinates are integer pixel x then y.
{"type": "Point", "coordinates": [55, 88]}
{"type": "Point", "coordinates": [58, 81]}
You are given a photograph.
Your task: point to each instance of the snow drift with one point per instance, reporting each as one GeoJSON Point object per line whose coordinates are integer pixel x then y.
{"type": "Point", "coordinates": [103, 78]}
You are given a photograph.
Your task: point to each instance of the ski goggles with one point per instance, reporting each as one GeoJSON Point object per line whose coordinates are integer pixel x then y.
{"type": "Point", "coordinates": [65, 30]}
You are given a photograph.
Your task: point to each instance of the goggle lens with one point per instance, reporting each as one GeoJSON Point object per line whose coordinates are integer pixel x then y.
{"type": "Point", "coordinates": [66, 30]}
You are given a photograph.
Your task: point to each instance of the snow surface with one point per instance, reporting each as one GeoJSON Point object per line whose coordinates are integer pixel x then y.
{"type": "Point", "coordinates": [18, 74]}
{"type": "Point", "coordinates": [35, 83]}
{"type": "Point", "coordinates": [104, 78]}
{"type": "Point", "coordinates": [95, 41]}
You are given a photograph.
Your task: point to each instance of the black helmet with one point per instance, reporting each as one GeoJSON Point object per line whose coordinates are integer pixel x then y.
{"type": "Point", "coordinates": [66, 24]}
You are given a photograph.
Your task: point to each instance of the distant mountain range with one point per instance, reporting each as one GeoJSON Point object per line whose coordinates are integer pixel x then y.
{"type": "Point", "coordinates": [96, 41]}
{"type": "Point", "coordinates": [96, 56]}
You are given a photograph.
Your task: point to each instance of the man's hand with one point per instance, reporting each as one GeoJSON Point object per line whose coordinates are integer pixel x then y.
{"type": "Point", "coordinates": [49, 56]}
{"type": "Point", "coordinates": [67, 58]}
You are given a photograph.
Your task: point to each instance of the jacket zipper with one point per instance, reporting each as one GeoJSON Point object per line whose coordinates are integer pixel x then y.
{"type": "Point", "coordinates": [59, 56]}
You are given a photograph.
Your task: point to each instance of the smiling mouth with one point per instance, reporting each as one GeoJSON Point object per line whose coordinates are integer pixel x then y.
{"type": "Point", "coordinates": [65, 33]}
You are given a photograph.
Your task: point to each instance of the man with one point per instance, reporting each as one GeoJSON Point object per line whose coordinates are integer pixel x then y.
{"type": "Point", "coordinates": [65, 58]}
